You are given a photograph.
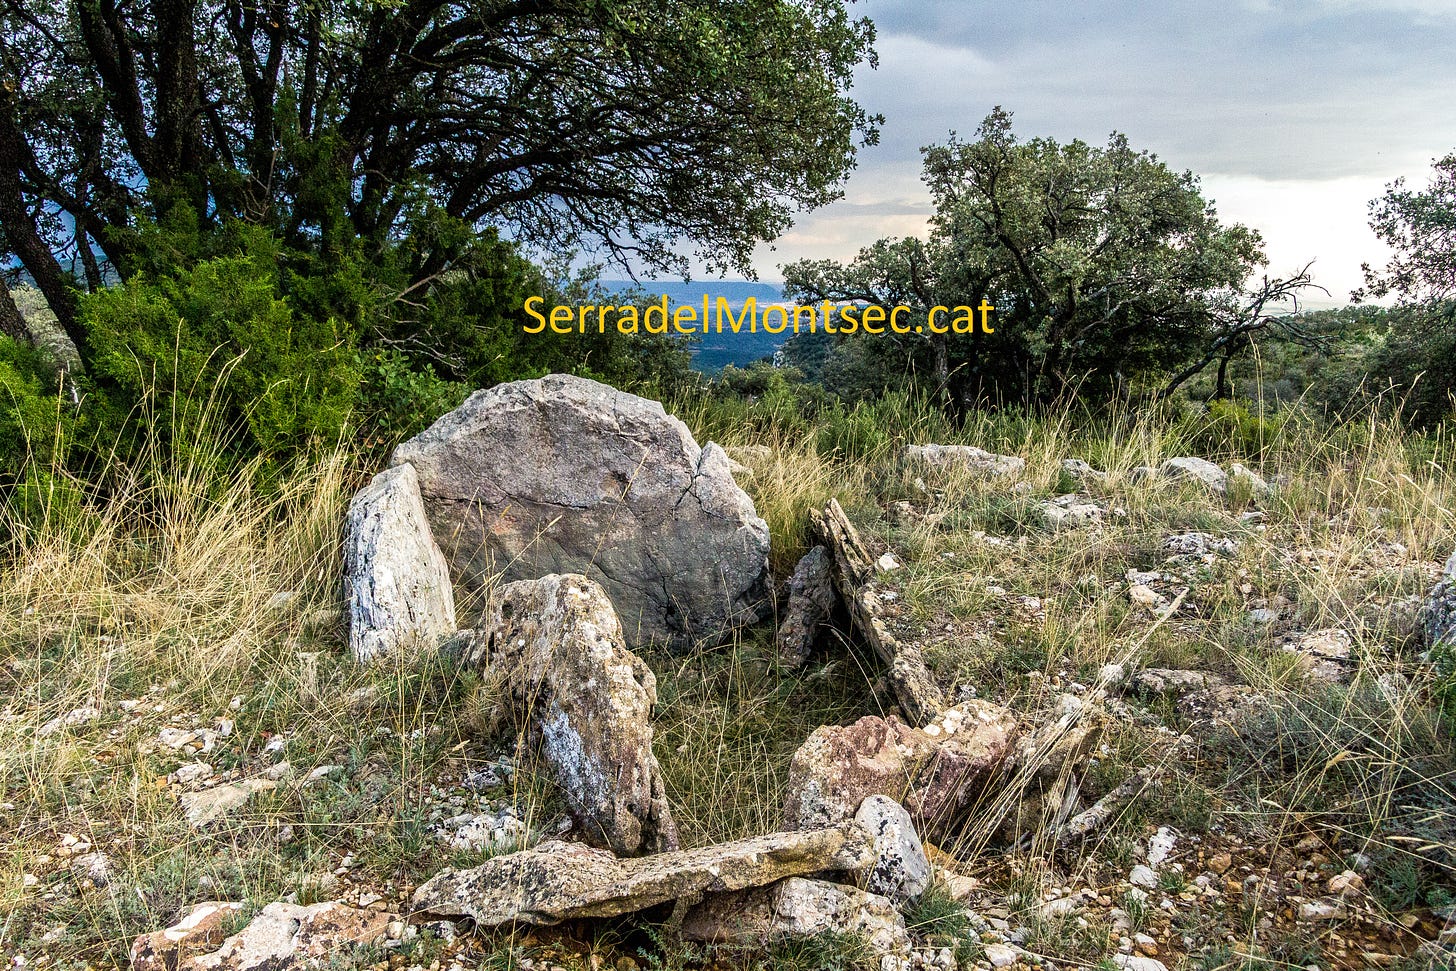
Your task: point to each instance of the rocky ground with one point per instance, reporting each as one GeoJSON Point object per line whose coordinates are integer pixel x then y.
{"type": "Point", "coordinates": [1258, 777]}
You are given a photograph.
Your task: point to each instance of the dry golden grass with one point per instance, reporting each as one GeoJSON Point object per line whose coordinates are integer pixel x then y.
{"type": "Point", "coordinates": [166, 592]}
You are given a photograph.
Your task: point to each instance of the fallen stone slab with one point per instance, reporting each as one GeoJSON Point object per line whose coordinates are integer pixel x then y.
{"type": "Point", "coordinates": [555, 645]}
{"type": "Point", "coordinates": [396, 582]}
{"type": "Point", "coordinates": [284, 936]}
{"type": "Point", "coordinates": [566, 475]}
{"type": "Point", "coordinates": [854, 571]}
{"type": "Point", "coordinates": [559, 881]}
{"type": "Point", "coordinates": [965, 457]}
{"type": "Point", "coordinates": [798, 907]}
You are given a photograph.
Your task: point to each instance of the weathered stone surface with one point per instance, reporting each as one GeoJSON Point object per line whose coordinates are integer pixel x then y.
{"type": "Point", "coordinates": [396, 583]}
{"type": "Point", "coordinates": [811, 601]}
{"type": "Point", "coordinates": [559, 881]}
{"type": "Point", "coordinates": [1049, 760]}
{"type": "Point", "coordinates": [798, 907]}
{"type": "Point", "coordinates": [565, 475]}
{"type": "Point", "coordinates": [209, 805]}
{"type": "Point", "coordinates": [1199, 544]}
{"type": "Point", "coordinates": [1324, 655]}
{"type": "Point", "coordinates": [854, 572]}
{"type": "Point", "coordinates": [966, 457]}
{"type": "Point", "coordinates": [1438, 614]}
{"type": "Point", "coordinates": [901, 871]}
{"type": "Point", "coordinates": [557, 644]}
{"type": "Point", "coordinates": [1202, 471]}
{"type": "Point", "coordinates": [1068, 512]}
{"type": "Point", "coordinates": [201, 930]}
{"type": "Point", "coordinates": [1079, 469]}
{"type": "Point", "coordinates": [936, 773]}
{"type": "Point", "coordinates": [1173, 681]}
{"type": "Point", "coordinates": [1256, 483]}
{"type": "Point", "coordinates": [285, 936]}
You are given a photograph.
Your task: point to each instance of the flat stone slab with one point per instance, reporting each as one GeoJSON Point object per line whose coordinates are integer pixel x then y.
{"type": "Point", "coordinates": [559, 881]}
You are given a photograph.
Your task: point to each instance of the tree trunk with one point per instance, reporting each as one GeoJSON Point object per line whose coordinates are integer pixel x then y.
{"type": "Point", "coordinates": [25, 241]}
{"type": "Point", "coordinates": [12, 325]}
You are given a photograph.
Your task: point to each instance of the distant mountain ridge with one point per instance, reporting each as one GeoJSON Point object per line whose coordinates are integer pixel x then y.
{"type": "Point", "coordinates": [715, 351]}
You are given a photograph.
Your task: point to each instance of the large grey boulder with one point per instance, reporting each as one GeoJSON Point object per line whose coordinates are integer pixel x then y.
{"type": "Point", "coordinates": [565, 475]}
{"type": "Point", "coordinates": [555, 647]}
{"type": "Point", "coordinates": [396, 583]}
{"type": "Point", "coordinates": [1438, 615]}
{"type": "Point", "coordinates": [559, 881]}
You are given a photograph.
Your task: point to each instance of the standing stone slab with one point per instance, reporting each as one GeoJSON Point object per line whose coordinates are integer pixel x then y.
{"type": "Point", "coordinates": [396, 581]}
{"type": "Point", "coordinates": [557, 646]}
{"type": "Point", "coordinates": [811, 602]}
{"type": "Point", "coordinates": [565, 475]}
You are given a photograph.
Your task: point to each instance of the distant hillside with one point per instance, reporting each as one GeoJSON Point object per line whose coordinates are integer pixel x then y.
{"type": "Point", "coordinates": [715, 351]}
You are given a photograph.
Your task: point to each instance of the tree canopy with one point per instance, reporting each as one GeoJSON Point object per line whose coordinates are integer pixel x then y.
{"type": "Point", "coordinates": [1104, 265]}
{"type": "Point", "coordinates": [651, 132]}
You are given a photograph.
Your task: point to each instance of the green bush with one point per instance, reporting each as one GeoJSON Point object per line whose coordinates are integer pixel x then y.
{"type": "Point", "coordinates": [229, 351]}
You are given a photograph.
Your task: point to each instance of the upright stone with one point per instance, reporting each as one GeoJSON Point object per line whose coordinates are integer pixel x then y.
{"type": "Point", "coordinates": [397, 584]}
{"type": "Point", "coordinates": [565, 475]}
{"type": "Point", "coordinates": [589, 702]}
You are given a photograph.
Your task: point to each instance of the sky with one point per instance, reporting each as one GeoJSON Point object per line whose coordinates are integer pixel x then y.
{"type": "Point", "coordinates": [1294, 114]}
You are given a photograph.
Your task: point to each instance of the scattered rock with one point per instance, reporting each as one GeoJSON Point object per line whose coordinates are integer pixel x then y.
{"type": "Point", "coordinates": [1199, 544]}
{"type": "Point", "coordinates": [559, 881]}
{"type": "Point", "coordinates": [209, 805]}
{"type": "Point", "coordinates": [811, 601]}
{"type": "Point", "coordinates": [1202, 471]}
{"type": "Point", "coordinates": [1143, 876]}
{"type": "Point", "coordinates": [557, 646]}
{"type": "Point", "coordinates": [1438, 613]}
{"type": "Point", "coordinates": [1325, 655]}
{"type": "Point", "coordinates": [1347, 882]}
{"type": "Point", "coordinates": [798, 907]}
{"type": "Point", "coordinates": [965, 457]}
{"type": "Point", "coordinates": [1141, 474]}
{"type": "Point", "coordinates": [936, 772]}
{"type": "Point", "coordinates": [201, 930]}
{"type": "Point", "coordinates": [285, 936]}
{"type": "Point", "coordinates": [565, 475]}
{"type": "Point", "coordinates": [1068, 512]}
{"type": "Point", "coordinates": [95, 867]}
{"type": "Point", "coordinates": [1080, 470]}
{"type": "Point", "coordinates": [396, 582]}
{"type": "Point", "coordinates": [901, 871]}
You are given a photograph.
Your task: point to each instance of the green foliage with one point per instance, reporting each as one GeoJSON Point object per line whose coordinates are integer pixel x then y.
{"type": "Point", "coordinates": [230, 347]}
{"type": "Point", "coordinates": [398, 399]}
{"type": "Point", "coordinates": [1106, 268]}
